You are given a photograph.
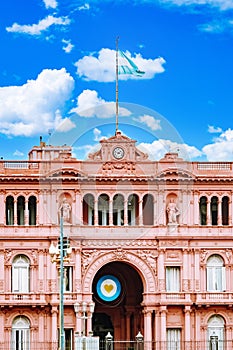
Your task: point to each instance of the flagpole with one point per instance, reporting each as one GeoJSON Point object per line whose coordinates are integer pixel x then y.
{"type": "Point", "coordinates": [117, 107]}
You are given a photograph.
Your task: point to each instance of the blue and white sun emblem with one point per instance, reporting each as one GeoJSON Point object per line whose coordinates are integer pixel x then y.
{"type": "Point", "coordinates": [108, 288]}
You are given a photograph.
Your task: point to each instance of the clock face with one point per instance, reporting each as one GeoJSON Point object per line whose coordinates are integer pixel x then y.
{"type": "Point", "coordinates": [118, 153]}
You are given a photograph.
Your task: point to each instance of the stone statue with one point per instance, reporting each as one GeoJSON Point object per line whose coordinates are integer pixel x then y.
{"type": "Point", "coordinates": [65, 206]}
{"type": "Point", "coordinates": [172, 212]}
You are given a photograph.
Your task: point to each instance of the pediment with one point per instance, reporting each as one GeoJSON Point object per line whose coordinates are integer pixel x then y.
{"type": "Point", "coordinates": [127, 147]}
{"type": "Point", "coordinates": [66, 173]}
{"type": "Point", "coordinates": [175, 174]}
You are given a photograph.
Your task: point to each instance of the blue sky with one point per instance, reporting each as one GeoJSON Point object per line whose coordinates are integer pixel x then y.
{"type": "Point", "coordinates": [57, 75]}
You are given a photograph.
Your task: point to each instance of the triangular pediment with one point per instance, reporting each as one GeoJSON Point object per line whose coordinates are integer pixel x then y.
{"type": "Point", "coordinates": [118, 148]}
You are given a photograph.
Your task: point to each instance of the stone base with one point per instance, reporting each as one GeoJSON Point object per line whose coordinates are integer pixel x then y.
{"type": "Point", "coordinates": [172, 228]}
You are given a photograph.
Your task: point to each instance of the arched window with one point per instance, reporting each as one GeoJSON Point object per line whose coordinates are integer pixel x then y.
{"type": "Point", "coordinates": [32, 210]}
{"type": "Point", "coordinates": [214, 210]}
{"type": "Point", "coordinates": [148, 209]}
{"type": "Point", "coordinates": [118, 210]}
{"type": "Point", "coordinates": [215, 274]}
{"type": "Point", "coordinates": [103, 210]}
{"type": "Point", "coordinates": [9, 210]}
{"type": "Point", "coordinates": [225, 210]}
{"type": "Point", "coordinates": [133, 205]}
{"type": "Point", "coordinates": [203, 210]}
{"type": "Point", "coordinates": [20, 274]}
{"type": "Point", "coordinates": [20, 210]}
{"type": "Point", "coordinates": [88, 209]}
{"type": "Point", "coordinates": [20, 336]}
{"type": "Point", "coordinates": [216, 332]}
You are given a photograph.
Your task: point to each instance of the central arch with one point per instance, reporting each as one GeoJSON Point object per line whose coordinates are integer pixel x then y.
{"type": "Point", "coordinates": [145, 270]}
{"type": "Point", "coordinates": [136, 276]}
{"type": "Point", "coordinates": [118, 294]}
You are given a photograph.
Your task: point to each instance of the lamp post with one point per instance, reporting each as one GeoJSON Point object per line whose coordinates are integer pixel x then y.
{"type": "Point", "coordinates": [60, 253]}
{"type": "Point", "coordinates": [84, 311]}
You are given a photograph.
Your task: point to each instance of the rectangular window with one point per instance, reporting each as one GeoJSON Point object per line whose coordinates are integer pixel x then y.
{"type": "Point", "coordinates": [173, 279]}
{"type": "Point", "coordinates": [68, 278]}
{"type": "Point", "coordinates": [68, 339]}
{"type": "Point", "coordinates": [20, 279]}
{"type": "Point", "coordinates": [216, 279]}
{"type": "Point", "coordinates": [173, 339]}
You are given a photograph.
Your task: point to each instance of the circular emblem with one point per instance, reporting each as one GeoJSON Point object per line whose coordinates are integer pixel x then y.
{"type": "Point", "coordinates": [108, 288]}
{"type": "Point", "coordinates": [118, 153]}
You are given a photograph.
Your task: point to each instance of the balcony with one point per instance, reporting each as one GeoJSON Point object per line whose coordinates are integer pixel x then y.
{"type": "Point", "coordinates": [214, 298]}
{"type": "Point", "coordinates": [23, 299]}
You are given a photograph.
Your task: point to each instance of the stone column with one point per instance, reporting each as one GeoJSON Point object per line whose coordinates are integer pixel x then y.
{"type": "Point", "coordinates": [15, 211]}
{"type": "Point", "coordinates": [185, 286]}
{"type": "Point", "coordinates": [155, 209]}
{"type": "Point", "coordinates": [231, 209]}
{"type": "Point", "coordinates": [196, 211]}
{"type": "Point", "coordinates": [54, 312]}
{"type": "Point", "coordinates": [147, 326]}
{"type": "Point", "coordinates": [54, 207]}
{"type": "Point", "coordinates": [208, 212]}
{"type": "Point", "coordinates": [26, 213]}
{"type": "Point", "coordinates": [41, 331]}
{"type": "Point", "coordinates": [126, 212]}
{"type": "Point", "coordinates": [78, 211]}
{"type": "Point", "coordinates": [40, 209]}
{"type": "Point", "coordinates": [110, 211]}
{"type": "Point", "coordinates": [96, 211]}
{"type": "Point", "coordinates": [3, 208]}
{"type": "Point", "coordinates": [184, 209]}
{"type": "Point", "coordinates": [140, 212]}
{"type": "Point", "coordinates": [163, 326]}
{"type": "Point", "coordinates": [197, 270]}
{"type": "Point", "coordinates": [187, 330]}
{"type": "Point", "coordinates": [2, 280]}
{"type": "Point", "coordinates": [219, 211]}
{"type": "Point", "coordinates": [161, 271]}
{"type": "Point", "coordinates": [40, 271]}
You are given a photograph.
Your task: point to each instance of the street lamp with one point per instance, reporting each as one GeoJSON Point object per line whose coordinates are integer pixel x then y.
{"type": "Point", "coordinates": [59, 254]}
{"type": "Point", "coordinates": [84, 311]}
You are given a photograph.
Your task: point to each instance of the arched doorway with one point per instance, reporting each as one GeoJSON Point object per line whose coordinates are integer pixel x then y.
{"type": "Point", "coordinates": [117, 292]}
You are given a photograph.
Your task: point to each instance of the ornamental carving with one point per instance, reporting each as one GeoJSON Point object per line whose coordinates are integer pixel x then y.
{"type": "Point", "coordinates": [203, 255]}
{"type": "Point", "coordinates": [229, 255]}
{"type": "Point", "coordinates": [120, 243]}
{"type": "Point", "coordinates": [173, 255]}
{"type": "Point", "coordinates": [118, 167]}
{"type": "Point", "coordinates": [8, 255]}
{"type": "Point", "coordinates": [150, 257]}
{"type": "Point", "coordinates": [88, 256]}
{"type": "Point", "coordinates": [120, 254]}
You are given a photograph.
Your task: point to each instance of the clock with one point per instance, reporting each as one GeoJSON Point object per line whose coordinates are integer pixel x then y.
{"type": "Point", "coordinates": [118, 152]}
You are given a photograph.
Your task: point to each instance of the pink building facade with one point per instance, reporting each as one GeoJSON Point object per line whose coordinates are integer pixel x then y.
{"type": "Point", "coordinates": [151, 247]}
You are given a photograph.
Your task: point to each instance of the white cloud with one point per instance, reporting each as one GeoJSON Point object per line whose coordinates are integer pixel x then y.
{"type": "Point", "coordinates": [97, 134]}
{"type": "Point", "coordinates": [222, 147]}
{"type": "Point", "coordinates": [102, 68]}
{"type": "Point", "coordinates": [82, 152]}
{"type": "Point", "coordinates": [221, 4]}
{"type": "Point", "coordinates": [158, 148]}
{"type": "Point", "coordinates": [65, 125]}
{"type": "Point", "coordinates": [18, 153]}
{"type": "Point", "coordinates": [33, 108]}
{"type": "Point", "coordinates": [217, 26]}
{"type": "Point", "coordinates": [151, 122]}
{"type": "Point", "coordinates": [89, 104]}
{"type": "Point", "coordinates": [42, 25]}
{"type": "Point", "coordinates": [68, 46]}
{"type": "Point", "coordinates": [50, 3]}
{"type": "Point", "coordinates": [84, 7]}
{"type": "Point", "coordinates": [214, 130]}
